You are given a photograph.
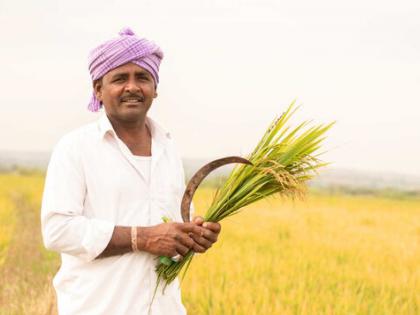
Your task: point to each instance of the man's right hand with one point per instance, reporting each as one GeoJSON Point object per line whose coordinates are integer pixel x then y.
{"type": "Point", "coordinates": [169, 239]}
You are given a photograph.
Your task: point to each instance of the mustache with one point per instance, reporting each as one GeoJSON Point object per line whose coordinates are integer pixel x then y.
{"type": "Point", "coordinates": [140, 98]}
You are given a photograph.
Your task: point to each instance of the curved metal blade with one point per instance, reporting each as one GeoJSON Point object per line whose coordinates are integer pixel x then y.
{"type": "Point", "coordinates": [198, 178]}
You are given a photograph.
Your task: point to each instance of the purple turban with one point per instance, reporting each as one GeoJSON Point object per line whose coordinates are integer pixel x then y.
{"type": "Point", "coordinates": [121, 50]}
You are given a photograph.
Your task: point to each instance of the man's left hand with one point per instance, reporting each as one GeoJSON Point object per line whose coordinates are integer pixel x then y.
{"type": "Point", "coordinates": [209, 235]}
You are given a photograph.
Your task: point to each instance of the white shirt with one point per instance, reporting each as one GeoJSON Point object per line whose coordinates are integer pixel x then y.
{"type": "Point", "coordinates": [143, 164]}
{"type": "Point", "coordinates": [93, 184]}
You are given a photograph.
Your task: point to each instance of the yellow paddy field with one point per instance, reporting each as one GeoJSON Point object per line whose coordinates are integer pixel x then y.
{"type": "Point", "coordinates": [325, 255]}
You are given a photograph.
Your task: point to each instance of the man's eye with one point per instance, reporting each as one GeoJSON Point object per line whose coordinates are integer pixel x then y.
{"type": "Point", "coordinates": [118, 80]}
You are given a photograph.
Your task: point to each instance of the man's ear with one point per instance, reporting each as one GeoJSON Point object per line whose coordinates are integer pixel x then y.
{"type": "Point", "coordinates": [156, 94]}
{"type": "Point", "coordinates": [97, 88]}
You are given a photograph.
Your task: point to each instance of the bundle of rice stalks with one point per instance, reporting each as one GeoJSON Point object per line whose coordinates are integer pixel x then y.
{"type": "Point", "coordinates": [282, 162]}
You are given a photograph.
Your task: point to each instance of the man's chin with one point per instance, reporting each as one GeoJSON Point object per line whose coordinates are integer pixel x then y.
{"type": "Point", "coordinates": [127, 113]}
{"type": "Point", "coordinates": [132, 114]}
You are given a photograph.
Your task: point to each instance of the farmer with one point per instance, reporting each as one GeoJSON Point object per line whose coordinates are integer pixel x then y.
{"type": "Point", "coordinates": [108, 186]}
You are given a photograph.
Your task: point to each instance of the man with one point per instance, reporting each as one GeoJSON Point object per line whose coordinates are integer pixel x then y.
{"type": "Point", "coordinates": [108, 186]}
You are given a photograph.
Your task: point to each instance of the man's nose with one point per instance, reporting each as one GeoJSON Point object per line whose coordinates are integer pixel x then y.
{"type": "Point", "coordinates": [132, 86]}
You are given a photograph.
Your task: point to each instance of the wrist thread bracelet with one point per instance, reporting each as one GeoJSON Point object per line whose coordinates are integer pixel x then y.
{"type": "Point", "coordinates": [134, 239]}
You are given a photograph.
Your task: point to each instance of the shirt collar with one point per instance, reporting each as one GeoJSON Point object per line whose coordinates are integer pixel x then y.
{"type": "Point", "coordinates": [159, 134]}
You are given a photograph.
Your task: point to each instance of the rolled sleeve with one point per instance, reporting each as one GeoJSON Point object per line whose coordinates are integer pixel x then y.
{"type": "Point", "coordinates": [65, 228]}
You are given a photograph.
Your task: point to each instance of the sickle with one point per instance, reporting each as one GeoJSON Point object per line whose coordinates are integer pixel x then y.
{"type": "Point", "coordinates": [198, 178]}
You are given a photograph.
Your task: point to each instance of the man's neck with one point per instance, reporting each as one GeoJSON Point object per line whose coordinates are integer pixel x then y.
{"type": "Point", "coordinates": [135, 135]}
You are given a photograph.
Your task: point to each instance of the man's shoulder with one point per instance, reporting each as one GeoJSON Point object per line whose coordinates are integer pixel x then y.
{"type": "Point", "coordinates": [85, 134]}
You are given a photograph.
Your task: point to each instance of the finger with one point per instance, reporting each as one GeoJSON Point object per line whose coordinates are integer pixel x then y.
{"type": "Point", "coordinates": [192, 228]}
{"type": "Point", "coordinates": [214, 226]}
{"type": "Point", "coordinates": [198, 248]}
{"type": "Point", "coordinates": [186, 240]}
{"type": "Point", "coordinates": [201, 241]}
{"type": "Point", "coordinates": [198, 220]}
{"type": "Point", "coordinates": [210, 236]}
{"type": "Point", "coordinates": [182, 250]}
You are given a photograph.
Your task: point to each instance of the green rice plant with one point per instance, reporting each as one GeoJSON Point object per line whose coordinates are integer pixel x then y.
{"type": "Point", "coordinates": [282, 162]}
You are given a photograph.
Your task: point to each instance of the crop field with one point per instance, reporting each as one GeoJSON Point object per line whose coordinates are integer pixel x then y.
{"type": "Point", "coordinates": [328, 254]}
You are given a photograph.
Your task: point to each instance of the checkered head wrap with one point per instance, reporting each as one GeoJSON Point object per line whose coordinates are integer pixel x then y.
{"type": "Point", "coordinates": [121, 50]}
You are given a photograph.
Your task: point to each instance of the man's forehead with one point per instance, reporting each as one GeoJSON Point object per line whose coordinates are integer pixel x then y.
{"type": "Point", "coordinates": [126, 69]}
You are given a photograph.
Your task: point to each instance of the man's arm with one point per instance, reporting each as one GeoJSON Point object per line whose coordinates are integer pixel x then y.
{"type": "Point", "coordinates": [166, 239]}
{"type": "Point", "coordinates": [64, 227]}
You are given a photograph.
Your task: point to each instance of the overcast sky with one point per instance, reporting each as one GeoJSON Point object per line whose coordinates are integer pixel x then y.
{"type": "Point", "coordinates": [230, 67]}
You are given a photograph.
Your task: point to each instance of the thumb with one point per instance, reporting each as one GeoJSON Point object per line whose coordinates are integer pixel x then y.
{"type": "Point", "coordinates": [198, 220]}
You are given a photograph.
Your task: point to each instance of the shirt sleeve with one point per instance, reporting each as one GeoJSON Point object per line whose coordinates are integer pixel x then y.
{"type": "Point", "coordinates": [65, 228]}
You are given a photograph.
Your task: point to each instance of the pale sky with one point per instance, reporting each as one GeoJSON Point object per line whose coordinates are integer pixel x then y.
{"type": "Point", "coordinates": [230, 67]}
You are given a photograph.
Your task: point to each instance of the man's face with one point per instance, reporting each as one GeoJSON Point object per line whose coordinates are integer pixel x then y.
{"type": "Point", "coordinates": [126, 92]}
